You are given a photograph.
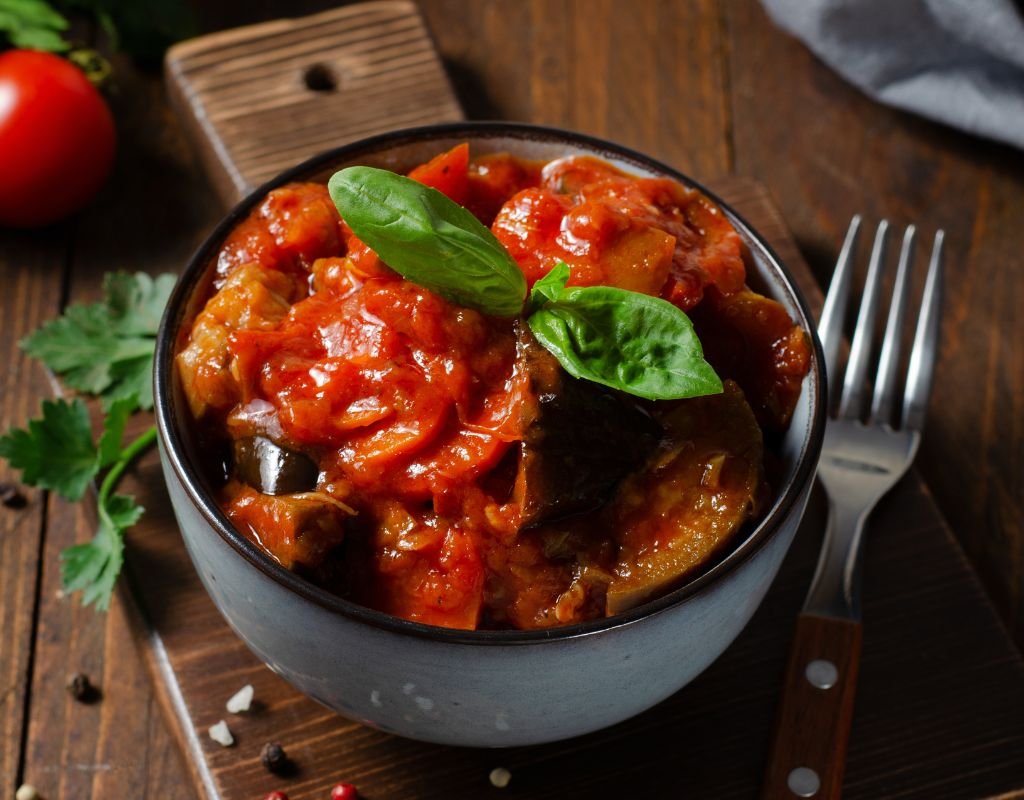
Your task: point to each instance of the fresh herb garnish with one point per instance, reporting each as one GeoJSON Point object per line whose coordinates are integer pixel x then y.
{"type": "Point", "coordinates": [33, 24]}
{"type": "Point", "coordinates": [104, 349]}
{"type": "Point", "coordinates": [429, 239]}
{"type": "Point", "coordinates": [143, 30]}
{"type": "Point", "coordinates": [629, 341]}
{"type": "Point", "coordinates": [56, 451]}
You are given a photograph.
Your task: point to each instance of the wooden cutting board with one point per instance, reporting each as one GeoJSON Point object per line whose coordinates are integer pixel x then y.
{"type": "Point", "coordinates": [940, 708]}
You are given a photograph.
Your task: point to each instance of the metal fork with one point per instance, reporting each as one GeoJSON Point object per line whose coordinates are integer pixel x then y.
{"type": "Point", "coordinates": [860, 462]}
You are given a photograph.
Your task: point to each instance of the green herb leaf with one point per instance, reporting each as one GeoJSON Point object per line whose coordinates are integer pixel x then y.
{"type": "Point", "coordinates": [33, 24]}
{"type": "Point", "coordinates": [630, 341]}
{"type": "Point", "coordinates": [137, 302]}
{"type": "Point", "coordinates": [109, 449]}
{"type": "Point", "coordinates": [93, 567]}
{"type": "Point", "coordinates": [548, 288]}
{"type": "Point", "coordinates": [56, 451]}
{"type": "Point", "coordinates": [429, 239]}
{"type": "Point", "coordinates": [107, 348]}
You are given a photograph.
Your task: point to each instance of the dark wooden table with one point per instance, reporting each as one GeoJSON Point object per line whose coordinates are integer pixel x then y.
{"type": "Point", "coordinates": [709, 87]}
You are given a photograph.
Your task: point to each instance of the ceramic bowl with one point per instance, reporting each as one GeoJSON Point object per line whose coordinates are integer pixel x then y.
{"type": "Point", "coordinates": [476, 688]}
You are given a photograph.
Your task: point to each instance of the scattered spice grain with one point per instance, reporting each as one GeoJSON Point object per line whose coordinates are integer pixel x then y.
{"type": "Point", "coordinates": [274, 758]}
{"type": "Point", "coordinates": [344, 791]}
{"type": "Point", "coordinates": [241, 700]}
{"type": "Point", "coordinates": [11, 496]}
{"type": "Point", "coordinates": [80, 687]}
{"type": "Point", "coordinates": [500, 777]}
{"type": "Point", "coordinates": [221, 734]}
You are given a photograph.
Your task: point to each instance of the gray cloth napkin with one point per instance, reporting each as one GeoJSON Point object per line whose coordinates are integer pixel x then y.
{"type": "Point", "coordinates": [960, 62]}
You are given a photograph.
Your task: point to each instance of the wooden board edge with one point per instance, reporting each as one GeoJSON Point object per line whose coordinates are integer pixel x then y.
{"type": "Point", "coordinates": [166, 688]}
{"type": "Point", "coordinates": [217, 39]}
{"type": "Point", "coordinates": [229, 182]}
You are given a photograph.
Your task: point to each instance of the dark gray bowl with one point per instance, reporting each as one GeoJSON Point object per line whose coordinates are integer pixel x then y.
{"type": "Point", "coordinates": [477, 688]}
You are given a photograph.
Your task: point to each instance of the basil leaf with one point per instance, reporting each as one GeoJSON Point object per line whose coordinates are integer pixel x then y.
{"type": "Point", "coordinates": [639, 344]}
{"type": "Point", "coordinates": [429, 239]}
{"type": "Point", "coordinates": [548, 287]}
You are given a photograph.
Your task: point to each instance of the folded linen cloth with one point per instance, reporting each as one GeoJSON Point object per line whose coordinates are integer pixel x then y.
{"type": "Point", "coordinates": [960, 62]}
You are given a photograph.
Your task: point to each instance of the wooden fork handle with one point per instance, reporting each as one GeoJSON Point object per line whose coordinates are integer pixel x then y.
{"type": "Point", "coordinates": [812, 726]}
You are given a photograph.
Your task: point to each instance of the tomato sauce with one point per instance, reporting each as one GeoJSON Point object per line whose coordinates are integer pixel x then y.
{"type": "Point", "coordinates": [408, 415]}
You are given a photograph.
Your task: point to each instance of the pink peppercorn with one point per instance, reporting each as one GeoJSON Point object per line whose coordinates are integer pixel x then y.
{"type": "Point", "coordinates": [276, 796]}
{"type": "Point", "coordinates": [344, 791]}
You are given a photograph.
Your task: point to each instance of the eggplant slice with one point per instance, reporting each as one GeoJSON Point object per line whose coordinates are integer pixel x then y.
{"type": "Point", "coordinates": [270, 468]}
{"type": "Point", "coordinates": [579, 438]}
{"type": "Point", "coordinates": [680, 511]}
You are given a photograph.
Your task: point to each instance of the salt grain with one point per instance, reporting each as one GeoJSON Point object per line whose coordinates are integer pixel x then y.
{"type": "Point", "coordinates": [26, 792]}
{"type": "Point", "coordinates": [500, 777]}
{"type": "Point", "coordinates": [221, 735]}
{"type": "Point", "coordinates": [241, 700]}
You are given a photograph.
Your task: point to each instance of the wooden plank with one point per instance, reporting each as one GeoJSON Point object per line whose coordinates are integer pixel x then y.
{"type": "Point", "coordinates": [120, 746]}
{"type": "Point", "coordinates": [259, 99]}
{"type": "Point", "coordinates": [828, 152]}
{"type": "Point", "coordinates": [929, 633]}
{"type": "Point", "coordinates": [925, 615]}
{"type": "Point", "coordinates": [651, 79]}
{"type": "Point", "coordinates": [32, 272]}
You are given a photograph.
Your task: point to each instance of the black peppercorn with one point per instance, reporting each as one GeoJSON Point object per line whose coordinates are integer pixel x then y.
{"type": "Point", "coordinates": [274, 758]}
{"type": "Point", "coordinates": [11, 497]}
{"type": "Point", "coordinates": [80, 688]}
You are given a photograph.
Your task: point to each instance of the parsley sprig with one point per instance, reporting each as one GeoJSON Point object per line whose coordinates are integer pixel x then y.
{"type": "Point", "coordinates": [104, 349]}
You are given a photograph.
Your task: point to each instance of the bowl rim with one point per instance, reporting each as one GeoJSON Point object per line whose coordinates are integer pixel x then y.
{"type": "Point", "coordinates": [176, 453]}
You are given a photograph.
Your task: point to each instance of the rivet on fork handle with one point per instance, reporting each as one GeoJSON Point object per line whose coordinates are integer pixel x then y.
{"type": "Point", "coordinates": [816, 710]}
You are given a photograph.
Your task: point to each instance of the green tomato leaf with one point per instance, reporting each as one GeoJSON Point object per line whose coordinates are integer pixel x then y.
{"type": "Point", "coordinates": [548, 288]}
{"type": "Point", "coordinates": [429, 239]}
{"type": "Point", "coordinates": [93, 567]}
{"type": "Point", "coordinates": [639, 344]}
{"type": "Point", "coordinates": [56, 451]}
{"type": "Point", "coordinates": [33, 24]}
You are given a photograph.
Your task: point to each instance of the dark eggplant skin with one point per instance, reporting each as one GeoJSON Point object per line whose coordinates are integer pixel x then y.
{"type": "Point", "coordinates": [579, 438]}
{"type": "Point", "coordinates": [272, 469]}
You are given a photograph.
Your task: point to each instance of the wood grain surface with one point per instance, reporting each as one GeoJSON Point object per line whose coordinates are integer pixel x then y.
{"type": "Point", "coordinates": [33, 272]}
{"type": "Point", "coordinates": [120, 746]}
{"type": "Point", "coordinates": [262, 98]}
{"type": "Point", "coordinates": [828, 152]}
{"type": "Point", "coordinates": [712, 88]}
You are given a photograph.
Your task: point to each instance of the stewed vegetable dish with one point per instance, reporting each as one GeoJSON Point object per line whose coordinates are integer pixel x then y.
{"type": "Point", "coordinates": [473, 468]}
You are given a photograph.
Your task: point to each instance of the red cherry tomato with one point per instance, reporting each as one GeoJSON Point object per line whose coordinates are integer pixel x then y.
{"type": "Point", "coordinates": [56, 138]}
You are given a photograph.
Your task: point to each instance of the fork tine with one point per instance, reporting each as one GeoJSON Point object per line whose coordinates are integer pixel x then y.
{"type": "Point", "coordinates": [888, 361]}
{"type": "Point", "coordinates": [924, 351]}
{"type": "Point", "coordinates": [830, 326]}
{"type": "Point", "coordinates": [860, 349]}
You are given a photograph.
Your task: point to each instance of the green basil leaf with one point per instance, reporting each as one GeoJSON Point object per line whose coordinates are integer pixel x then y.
{"type": "Point", "coordinates": [429, 239]}
{"type": "Point", "coordinates": [639, 344]}
{"type": "Point", "coordinates": [548, 288]}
